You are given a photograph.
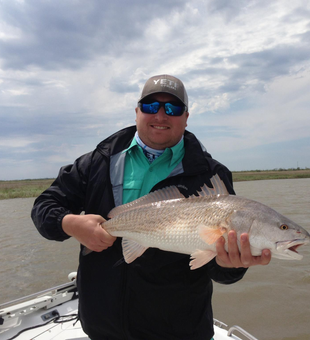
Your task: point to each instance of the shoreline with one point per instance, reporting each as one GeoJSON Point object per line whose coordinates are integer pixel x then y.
{"type": "Point", "coordinates": [256, 175]}
{"type": "Point", "coordinates": [34, 187]}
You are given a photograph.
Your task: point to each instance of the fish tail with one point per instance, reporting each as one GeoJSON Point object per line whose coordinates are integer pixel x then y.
{"type": "Point", "coordinates": [119, 262]}
{"type": "Point", "coordinates": [86, 251]}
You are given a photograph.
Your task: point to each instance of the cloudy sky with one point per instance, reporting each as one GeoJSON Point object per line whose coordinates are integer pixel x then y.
{"type": "Point", "coordinates": [71, 72]}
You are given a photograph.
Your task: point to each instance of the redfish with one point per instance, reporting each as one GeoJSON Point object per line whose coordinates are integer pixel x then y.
{"type": "Point", "coordinates": [165, 219]}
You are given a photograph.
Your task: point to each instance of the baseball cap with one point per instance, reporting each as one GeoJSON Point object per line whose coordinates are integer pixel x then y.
{"type": "Point", "coordinates": [167, 84]}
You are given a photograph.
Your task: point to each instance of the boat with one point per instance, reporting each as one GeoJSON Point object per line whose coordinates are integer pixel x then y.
{"type": "Point", "coordinates": [52, 314]}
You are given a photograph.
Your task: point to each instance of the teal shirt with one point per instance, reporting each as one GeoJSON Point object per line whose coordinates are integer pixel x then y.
{"type": "Point", "coordinates": [140, 175]}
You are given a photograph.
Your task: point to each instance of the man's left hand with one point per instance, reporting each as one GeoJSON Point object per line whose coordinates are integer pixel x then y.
{"type": "Point", "coordinates": [235, 258]}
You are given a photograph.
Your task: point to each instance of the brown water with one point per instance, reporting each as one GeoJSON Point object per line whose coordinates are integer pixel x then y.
{"type": "Point", "coordinates": [271, 302]}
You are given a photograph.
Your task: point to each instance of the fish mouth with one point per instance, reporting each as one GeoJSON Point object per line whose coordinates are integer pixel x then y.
{"type": "Point", "coordinates": [288, 249]}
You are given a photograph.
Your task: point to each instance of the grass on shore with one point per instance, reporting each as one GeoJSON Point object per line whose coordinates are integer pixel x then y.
{"type": "Point", "coordinates": [255, 175]}
{"type": "Point", "coordinates": [23, 188]}
{"type": "Point", "coordinates": [33, 188]}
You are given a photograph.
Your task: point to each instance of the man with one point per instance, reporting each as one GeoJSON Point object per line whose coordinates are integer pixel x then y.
{"type": "Point", "coordinates": [157, 296]}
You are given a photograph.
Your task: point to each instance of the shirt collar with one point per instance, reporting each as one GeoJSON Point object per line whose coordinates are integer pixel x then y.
{"type": "Point", "coordinates": [173, 152]}
{"type": "Point", "coordinates": [132, 145]}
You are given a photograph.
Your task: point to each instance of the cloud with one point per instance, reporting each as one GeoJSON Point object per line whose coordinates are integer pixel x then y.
{"type": "Point", "coordinates": [279, 115]}
{"type": "Point", "coordinates": [71, 73]}
{"type": "Point", "coordinates": [66, 34]}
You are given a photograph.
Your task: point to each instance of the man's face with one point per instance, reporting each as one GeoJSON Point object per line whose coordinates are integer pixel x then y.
{"type": "Point", "coordinates": [160, 131]}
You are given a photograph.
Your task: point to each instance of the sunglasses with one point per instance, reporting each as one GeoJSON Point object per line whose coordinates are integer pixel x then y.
{"type": "Point", "coordinates": [171, 109]}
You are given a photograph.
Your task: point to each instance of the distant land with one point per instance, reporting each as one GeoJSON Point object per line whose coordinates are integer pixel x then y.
{"type": "Point", "coordinates": [34, 187]}
{"type": "Point", "coordinates": [254, 175]}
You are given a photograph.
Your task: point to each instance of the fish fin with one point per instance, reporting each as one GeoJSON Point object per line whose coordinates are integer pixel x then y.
{"type": "Point", "coordinates": [170, 193]}
{"type": "Point", "coordinates": [218, 185]}
{"type": "Point", "coordinates": [132, 250]}
{"type": "Point", "coordinates": [210, 235]}
{"type": "Point", "coordinates": [219, 188]}
{"type": "Point", "coordinates": [200, 257]}
{"type": "Point", "coordinates": [165, 194]}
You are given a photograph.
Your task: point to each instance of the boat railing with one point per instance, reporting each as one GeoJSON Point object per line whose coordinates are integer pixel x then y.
{"type": "Point", "coordinates": [234, 328]}
{"type": "Point", "coordinates": [44, 299]}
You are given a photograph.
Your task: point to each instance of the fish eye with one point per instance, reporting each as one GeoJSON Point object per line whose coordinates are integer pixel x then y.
{"type": "Point", "coordinates": [284, 227]}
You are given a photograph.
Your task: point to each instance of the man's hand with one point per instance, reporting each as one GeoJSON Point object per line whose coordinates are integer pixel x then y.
{"type": "Point", "coordinates": [88, 231]}
{"type": "Point", "coordinates": [235, 258]}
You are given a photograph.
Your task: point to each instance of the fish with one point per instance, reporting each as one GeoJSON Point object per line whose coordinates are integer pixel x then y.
{"type": "Point", "coordinates": [165, 219]}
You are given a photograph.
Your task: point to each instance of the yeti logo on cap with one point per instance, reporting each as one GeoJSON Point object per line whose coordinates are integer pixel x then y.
{"type": "Point", "coordinates": [166, 83]}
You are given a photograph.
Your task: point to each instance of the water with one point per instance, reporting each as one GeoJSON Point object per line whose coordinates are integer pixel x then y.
{"type": "Point", "coordinates": [271, 302]}
{"type": "Point", "coordinates": [29, 262]}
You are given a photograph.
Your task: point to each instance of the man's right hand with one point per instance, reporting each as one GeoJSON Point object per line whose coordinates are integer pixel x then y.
{"type": "Point", "coordinates": [88, 231]}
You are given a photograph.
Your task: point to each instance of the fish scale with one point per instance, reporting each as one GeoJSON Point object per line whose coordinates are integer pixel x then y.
{"type": "Point", "coordinates": [169, 223]}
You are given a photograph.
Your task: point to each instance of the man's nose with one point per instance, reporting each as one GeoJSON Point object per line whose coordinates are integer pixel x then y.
{"type": "Point", "coordinates": [161, 114]}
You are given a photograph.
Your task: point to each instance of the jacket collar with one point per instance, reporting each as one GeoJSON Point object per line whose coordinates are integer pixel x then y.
{"type": "Point", "coordinates": [194, 160]}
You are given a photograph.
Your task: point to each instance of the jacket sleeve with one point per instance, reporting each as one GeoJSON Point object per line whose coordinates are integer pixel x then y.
{"type": "Point", "coordinates": [224, 275]}
{"type": "Point", "coordinates": [65, 196]}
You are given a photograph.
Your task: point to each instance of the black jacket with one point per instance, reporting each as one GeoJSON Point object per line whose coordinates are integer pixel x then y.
{"type": "Point", "coordinates": [157, 296]}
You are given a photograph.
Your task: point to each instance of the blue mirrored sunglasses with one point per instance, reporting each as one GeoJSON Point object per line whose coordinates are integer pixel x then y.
{"type": "Point", "coordinates": [170, 109]}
